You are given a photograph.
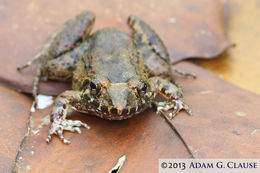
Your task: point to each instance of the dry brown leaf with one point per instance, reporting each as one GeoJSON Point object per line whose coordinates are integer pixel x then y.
{"type": "Point", "coordinates": [240, 65]}
{"type": "Point", "coordinates": [14, 108]}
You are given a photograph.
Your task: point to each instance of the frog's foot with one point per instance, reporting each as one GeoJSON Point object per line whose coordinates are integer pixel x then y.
{"type": "Point", "coordinates": [177, 106]}
{"type": "Point", "coordinates": [172, 93]}
{"type": "Point", "coordinates": [29, 63]}
{"type": "Point", "coordinates": [184, 73]}
{"type": "Point", "coordinates": [59, 125]}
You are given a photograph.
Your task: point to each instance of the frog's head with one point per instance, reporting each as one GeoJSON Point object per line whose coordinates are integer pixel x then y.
{"type": "Point", "coordinates": [118, 99]}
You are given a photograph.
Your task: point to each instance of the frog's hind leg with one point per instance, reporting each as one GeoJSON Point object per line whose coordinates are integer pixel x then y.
{"type": "Point", "coordinates": [63, 40]}
{"type": "Point", "coordinates": [62, 67]}
{"type": "Point", "coordinates": [150, 47]}
{"type": "Point", "coordinates": [153, 50]}
{"type": "Point", "coordinates": [30, 62]}
{"type": "Point", "coordinates": [172, 94]}
{"type": "Point", "coordinates": [144, 35]}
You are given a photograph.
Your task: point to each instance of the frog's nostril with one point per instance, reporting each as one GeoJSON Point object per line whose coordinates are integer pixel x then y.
{"type": "Point", "coordinates": [113, 110]}
{"type": "Point", "coordinates": [125, 111]}
{"type": "Point", "coordinates": [132, 110]}
{"type": "Point", "coordinates": [119, 111]}
{"type": "Point", "coordinates": [104, 108]}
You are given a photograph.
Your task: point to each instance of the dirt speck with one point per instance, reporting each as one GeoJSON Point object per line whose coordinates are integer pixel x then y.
{"type": "Point", "coordinates": [240, 114]}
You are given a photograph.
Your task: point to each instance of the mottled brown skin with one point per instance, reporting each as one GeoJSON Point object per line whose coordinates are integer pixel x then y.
{"type": "Point", "coordinates": [114, 75]}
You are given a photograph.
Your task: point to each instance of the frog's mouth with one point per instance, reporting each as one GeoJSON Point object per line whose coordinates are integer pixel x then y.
{"type": "Point", "coordinates": [115, 111]}
{"type": "Point", "coordinates": [118, 113]}
{"type": "Point", "coordinates": [117, 102]}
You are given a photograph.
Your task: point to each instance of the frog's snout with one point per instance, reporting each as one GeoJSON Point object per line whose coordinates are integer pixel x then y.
{"type": "Point", "coordinates": [122, 99]}
{"type": "Point", "coordinates": [119, 110]}
{"type": "Point", "coordinates": [118, 95]}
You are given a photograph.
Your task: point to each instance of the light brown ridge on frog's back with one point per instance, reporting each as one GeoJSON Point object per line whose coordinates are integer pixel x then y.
{"type": "Point", "coordinates": [113, 51]}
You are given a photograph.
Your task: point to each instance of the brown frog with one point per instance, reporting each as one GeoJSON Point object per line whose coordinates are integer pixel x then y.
{"type": "Point", "coordinates": [114, 75]}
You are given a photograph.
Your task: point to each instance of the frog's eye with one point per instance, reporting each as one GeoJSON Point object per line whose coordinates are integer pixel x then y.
{"type": "Point", "coordinates": [142, 88]}
{"type": "Point", "coordinates": [94, 87]}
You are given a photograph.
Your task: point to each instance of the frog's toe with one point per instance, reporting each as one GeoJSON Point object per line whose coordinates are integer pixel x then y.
{"type": "Point", "coordinates": [48, 139]}
{"type": "Point", "coordinates": [75, 129]}
{"type": "Point", "coordinates": [71, 123]}
{"type": "Point", "coordinates": [65, 141]}
{"type": "Point", "coordinates": [57, 128]}
{"type": "Point", "coordinates": [177, 106]}
{"type": "Point", "coordinates": [165, 106]}
{"type": "Point", "coordinates": [180, 104]}
{"type": "Point", "coordinates": [184, 73]}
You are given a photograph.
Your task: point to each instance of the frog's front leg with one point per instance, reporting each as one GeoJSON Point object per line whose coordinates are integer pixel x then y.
{"type": "Point", "coordinates": [172, 93]}
{"type": "Point", "coordinates": [62, 107]}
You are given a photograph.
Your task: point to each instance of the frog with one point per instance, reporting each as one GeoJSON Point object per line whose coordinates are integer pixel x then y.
{"type": "Point", "coordinates": [114, 74]}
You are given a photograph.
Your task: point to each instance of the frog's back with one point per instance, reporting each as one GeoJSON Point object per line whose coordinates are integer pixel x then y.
{"type": "Point", "coordinates": [113, 56]}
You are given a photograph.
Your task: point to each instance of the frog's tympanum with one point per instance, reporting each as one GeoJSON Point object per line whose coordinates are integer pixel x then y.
{"type": "Point", "coordinates": [114, 75]}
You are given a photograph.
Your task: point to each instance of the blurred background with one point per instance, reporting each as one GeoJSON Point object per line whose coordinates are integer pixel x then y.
{"type": "Point", "coordinates": [240, 65]}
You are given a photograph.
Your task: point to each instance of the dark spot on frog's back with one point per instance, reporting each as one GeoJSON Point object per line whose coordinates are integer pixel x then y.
{"type": "Point", "coordinates": [74, 56]}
